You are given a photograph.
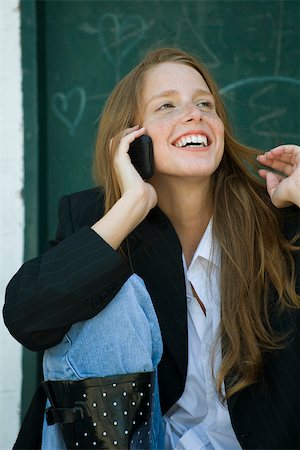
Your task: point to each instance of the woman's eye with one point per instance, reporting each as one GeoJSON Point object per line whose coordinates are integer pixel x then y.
{"type": "Point", "coordinates": [166, 106]}
{"type": "Point", "coordinates": [205, 104]}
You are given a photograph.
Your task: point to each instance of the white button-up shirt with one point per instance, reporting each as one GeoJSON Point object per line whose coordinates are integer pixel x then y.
{"type": "Point", "coordinates": [198, 420]}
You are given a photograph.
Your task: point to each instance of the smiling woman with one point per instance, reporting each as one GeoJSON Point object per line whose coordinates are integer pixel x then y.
{"type": "Point", "coordinates": [184, 289]}
{"type": "Point", "coordinates": [173, 117]}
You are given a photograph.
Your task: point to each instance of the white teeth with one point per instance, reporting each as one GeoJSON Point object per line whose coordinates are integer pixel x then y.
{"type": "Point", "coordinates": [198, 139]}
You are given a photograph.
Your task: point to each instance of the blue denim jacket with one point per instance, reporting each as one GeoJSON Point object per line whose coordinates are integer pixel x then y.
{"type": "Point", "coordinates": [123, 338]}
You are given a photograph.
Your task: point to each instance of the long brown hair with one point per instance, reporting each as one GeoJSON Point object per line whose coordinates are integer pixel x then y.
{"type": "Point", "coordinates": [254, 255]}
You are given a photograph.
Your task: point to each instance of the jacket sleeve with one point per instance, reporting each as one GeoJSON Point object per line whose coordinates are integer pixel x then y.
{"type": "Point", "coordinates": [72, 281]}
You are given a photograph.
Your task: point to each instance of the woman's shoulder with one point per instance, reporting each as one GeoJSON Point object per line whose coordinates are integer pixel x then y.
{"type": "Point", "coordinates": [84, 207]}
{"type": "Point", "coordinates": [93, 195]}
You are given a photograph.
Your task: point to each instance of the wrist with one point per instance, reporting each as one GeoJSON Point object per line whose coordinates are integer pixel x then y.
{"type": "Point", "coordinates": [122, 218]}
{"type": "Point", "coordinates": [138, 201]}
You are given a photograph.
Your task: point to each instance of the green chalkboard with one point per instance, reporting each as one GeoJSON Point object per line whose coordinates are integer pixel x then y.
{"type": "Point", "coordinates": [252, 47]}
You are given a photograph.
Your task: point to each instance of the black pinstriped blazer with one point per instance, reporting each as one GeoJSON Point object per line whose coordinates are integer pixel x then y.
{"type": "Point", "coordinates": [76, 279]}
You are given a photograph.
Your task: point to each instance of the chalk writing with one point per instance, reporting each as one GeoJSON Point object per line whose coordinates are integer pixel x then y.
{"type": "Point", "coordinates": [69, 107]}
{"type": "Point", "coordinates": [267, 105]}
{"type": "Point", "coordinates": [242, 40]}
{"type": "Point", "coordinates": [271, 115]}
{"type": "Point", "coordinates": [208, 56]}
{"type": "Point", "coordinates": [279, 39]}
{"type": "Point", "coordinates": [263, 79]}
{"type": "Point", "coordinates": [119, 35]}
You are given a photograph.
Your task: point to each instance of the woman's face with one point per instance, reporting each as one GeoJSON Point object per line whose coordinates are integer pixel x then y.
{"type": "Point", "coordinates": [179, 114]}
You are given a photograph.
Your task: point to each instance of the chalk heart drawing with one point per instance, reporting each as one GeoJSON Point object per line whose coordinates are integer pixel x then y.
{"type": "Point", "coordinates": [69, 107]}
{"type": "Point", "coordinates": [119, 35]}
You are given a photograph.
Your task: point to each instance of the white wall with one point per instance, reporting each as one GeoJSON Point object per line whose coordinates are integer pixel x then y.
{"type": "Point", "coordinates": [11, 210]}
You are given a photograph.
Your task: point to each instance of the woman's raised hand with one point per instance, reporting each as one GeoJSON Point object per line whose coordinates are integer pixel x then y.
{"type": "Point", "coordinates": [284, 186]}
{"type": "Point", "coordinates": [130, 181]}
{"type": "Point", "coordinates": [137, 196]}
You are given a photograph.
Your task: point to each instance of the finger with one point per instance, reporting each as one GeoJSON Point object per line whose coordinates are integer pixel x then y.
{"type": "Point", "coordinates": [122, 141]}
{"type": "Point", "coordinates": [119, 136]}
{"type": "Point", "coordinates": [281, 166]}
{"type": "Point", "coordinates": [263, 173]}
{"type": "Point", "coordinates": [269, 156]}
{"type": "Point", "coordinates": [286, 147]}
{"type": "Point", "coordinates": [272, 181]}
{"type": "Point", "coordinates": [273, 184]}
{"type": "Point", "coordinates": [123, 133]}
{"type": "Point", "coordinates": [290, 149]}
{"type": "Point", "coordinates": [285, 160]}
{"type": "Point", "coordinates": [129, 137]}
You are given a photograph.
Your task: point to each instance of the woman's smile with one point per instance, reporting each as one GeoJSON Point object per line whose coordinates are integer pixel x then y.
{"type": "Point", "coordinates": [192, 140]}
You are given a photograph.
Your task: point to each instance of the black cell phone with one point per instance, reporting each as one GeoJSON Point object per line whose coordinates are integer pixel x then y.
{"type": "Point", "coordinates": [141, 154]}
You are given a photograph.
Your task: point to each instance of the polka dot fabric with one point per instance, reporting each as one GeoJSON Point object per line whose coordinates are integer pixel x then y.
{"type": "Point", "coordinates": [103, 413]}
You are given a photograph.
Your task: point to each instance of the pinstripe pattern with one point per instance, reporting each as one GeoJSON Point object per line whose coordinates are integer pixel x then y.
{"type": "Point", "coordinates": [72, 281]}
{"type": "Point", "coordinates": [77, 278]}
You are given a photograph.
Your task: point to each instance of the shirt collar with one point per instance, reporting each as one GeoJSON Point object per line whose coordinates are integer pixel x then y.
{"type": "Point", "coordinates": [208, 248]}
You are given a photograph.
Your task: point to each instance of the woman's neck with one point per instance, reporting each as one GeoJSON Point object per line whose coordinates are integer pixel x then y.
{"type": "Point", "coordinates": [189, 208]}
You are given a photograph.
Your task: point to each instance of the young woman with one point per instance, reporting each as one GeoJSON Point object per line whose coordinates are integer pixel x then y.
{"type": "Point", "coordinates": [210, 246]}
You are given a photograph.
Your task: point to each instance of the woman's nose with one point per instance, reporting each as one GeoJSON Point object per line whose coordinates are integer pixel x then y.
{"type": "Point", "coordinates": [192, 113]}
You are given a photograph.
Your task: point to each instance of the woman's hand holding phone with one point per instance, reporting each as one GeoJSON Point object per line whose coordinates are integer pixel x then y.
{"type": "Point", "coordinates": [138, 197]}
{"type": "Point", "coordinates": [129, 176]}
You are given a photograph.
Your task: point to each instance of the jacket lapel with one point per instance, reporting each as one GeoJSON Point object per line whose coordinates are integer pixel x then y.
{"type": "Point", "coordinates": [157, 258]}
